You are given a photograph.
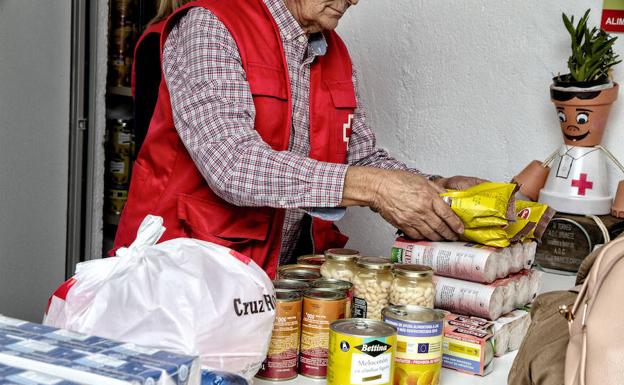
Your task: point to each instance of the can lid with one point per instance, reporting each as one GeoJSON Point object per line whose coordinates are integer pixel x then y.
{"type": "Point", "coordinates": [362, 327]}
{"type": "Point", "coordinates": [300, 274]}
{"type": "Point", "coordinates": [409, 270]}
{"type": "Point", "coordinates": [412, 313]}
{"type": "Point", "coordinates": [288, 296]}
{"type": "Point", "coordinates": [325, 294]}
{"type": "Point", "coordinates": [374, 263]}
{"type": "Point", "coordinates": [289, 285]}
{"type": "Point", "coordinates": [332, 283]}
{"type": "Point", "coordinates": [311, 259]}
{"type": "Point", "coordinates": [342, 254]}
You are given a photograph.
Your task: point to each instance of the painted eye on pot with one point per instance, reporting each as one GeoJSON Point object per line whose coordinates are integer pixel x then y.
{"type": "Point", "coordinates": [562, 116]}
{"type": "Point", "coordinates": [582, 118]}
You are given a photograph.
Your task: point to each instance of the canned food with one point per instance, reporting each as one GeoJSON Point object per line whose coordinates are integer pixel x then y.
{"type": "Point", "coordinates": [116, 200]}
{"type": "Point", "coordinates": [320, 308]}
{"type": "Point", "coordinates": [419, 343]}
{"type": "Point", "coordinates": [298, 272]}
{"type": "Point", "coordinates": [361, 351]}
{"type": "Point", "coordinates": [311, 259]}
{"type": "Point", "coordinates": [290, 285]}
{"type": "Point", "coordinates": [326, 283]}
{"type": "Point", "coordinates": [119, 170]}
{"type": "Point", "coordinates": [122, 139]}
{"type": "Point", "coordinates": [281, 361]}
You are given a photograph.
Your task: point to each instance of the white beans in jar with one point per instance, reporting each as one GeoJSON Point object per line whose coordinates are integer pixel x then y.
{"type": "Point", "coordinates": [412, 285]}
{"type": "Point", "coordinates": [340, 264]}
{"type": "Point", "coordinates": [371, 287]}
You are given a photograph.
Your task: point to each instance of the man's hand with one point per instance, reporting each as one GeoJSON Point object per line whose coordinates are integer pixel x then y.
{"type": "Point", "coordinates": [408, 201]}
{"type": "Point", "coordinates": [459, 182]}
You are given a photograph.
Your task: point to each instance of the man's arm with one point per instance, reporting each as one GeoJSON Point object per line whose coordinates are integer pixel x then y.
{"type": "Point", "coordinates": [214, 115]}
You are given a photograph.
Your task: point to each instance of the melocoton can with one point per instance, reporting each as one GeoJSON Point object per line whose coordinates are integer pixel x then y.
{"type": "Point", "coordinates": [361, 351]}
{"type": "Point", "coordinates": [281, 361]}
{"type": "Point", "coordinates": [419, 343]}
{"type": "Point", "coordinates": [320, 308]}
{"type": "Point", "coordinates": [337, 284]}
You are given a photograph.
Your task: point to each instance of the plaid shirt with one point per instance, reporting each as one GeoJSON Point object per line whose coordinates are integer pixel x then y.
{"type": "Point", "coordinates": [214, 114]}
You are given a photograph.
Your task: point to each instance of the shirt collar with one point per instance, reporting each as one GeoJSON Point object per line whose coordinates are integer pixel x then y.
{"type": "Point", "coordinates": [291, 30]}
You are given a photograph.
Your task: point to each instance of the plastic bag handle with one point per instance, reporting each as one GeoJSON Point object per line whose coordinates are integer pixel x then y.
{"type": "Point", "coordinates": [149, 233]}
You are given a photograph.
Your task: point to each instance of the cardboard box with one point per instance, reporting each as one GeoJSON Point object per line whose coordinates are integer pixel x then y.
{"type": "Point", "coordinates": [91, 360]}
{"type": "Point", "coordinates": [467, 345]}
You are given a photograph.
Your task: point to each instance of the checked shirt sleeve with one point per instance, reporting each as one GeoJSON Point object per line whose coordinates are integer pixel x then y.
{"type": "Point", "coordinates": [214, 115]}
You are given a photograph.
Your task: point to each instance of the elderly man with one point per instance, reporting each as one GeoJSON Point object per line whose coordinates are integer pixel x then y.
{"type": "Point", "coordinates": [259, 140]}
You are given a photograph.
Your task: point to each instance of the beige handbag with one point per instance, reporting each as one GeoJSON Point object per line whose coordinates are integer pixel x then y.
{"type": "Point", "coordinates": [595, 354]}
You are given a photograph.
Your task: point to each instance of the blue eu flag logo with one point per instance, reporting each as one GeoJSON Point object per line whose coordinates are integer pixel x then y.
{"type": "Point", "coordinates": [423, 348]}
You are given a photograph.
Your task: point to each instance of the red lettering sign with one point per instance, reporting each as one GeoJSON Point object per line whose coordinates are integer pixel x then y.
{"type": "Point", "coordinates": [612, 20]}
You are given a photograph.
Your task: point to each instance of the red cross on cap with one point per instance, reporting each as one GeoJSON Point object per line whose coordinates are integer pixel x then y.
{"type": "Point", "coordinates": [583, 184]}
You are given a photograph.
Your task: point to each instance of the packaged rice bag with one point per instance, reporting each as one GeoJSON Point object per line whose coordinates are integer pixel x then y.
{"type": "Point", "coordinates": [484, 205]}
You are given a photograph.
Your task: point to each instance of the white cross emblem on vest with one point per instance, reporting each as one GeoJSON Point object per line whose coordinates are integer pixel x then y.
{"type": "Point", "coordinates": [346, 130]}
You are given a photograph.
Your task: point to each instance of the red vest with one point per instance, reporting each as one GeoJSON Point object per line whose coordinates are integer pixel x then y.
{"type": "Point", "coordinates": [166, 182]}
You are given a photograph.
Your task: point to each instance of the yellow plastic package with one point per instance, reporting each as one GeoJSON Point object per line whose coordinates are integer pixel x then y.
{"type": "Point", "coordinates": [490, 236]}
{"type": "Point", "coordinates": [535, 212]}
{"type": "Point", "coordinates": [485, 205]}
{"type": "Point", "coordinates": [519, 230]}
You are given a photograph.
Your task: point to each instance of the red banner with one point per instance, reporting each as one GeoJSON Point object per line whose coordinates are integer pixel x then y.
{"type": "Point", "coordinates": [612, 20]}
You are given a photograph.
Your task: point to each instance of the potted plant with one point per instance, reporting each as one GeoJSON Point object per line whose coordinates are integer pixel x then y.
{"type": "Point", "coordinates": [583, 98]}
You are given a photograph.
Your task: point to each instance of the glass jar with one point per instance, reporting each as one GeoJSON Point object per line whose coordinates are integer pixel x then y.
{"type": "Point", "coordinates": [340, 264]}
{"type": "Point", "coordinates": [371, 287]}
{"type": "Point", "coordinates": [413, 285]}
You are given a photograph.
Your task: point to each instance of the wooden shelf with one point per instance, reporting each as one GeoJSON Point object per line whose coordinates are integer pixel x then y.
{"type": "Point", "coordinates": [120, 91]}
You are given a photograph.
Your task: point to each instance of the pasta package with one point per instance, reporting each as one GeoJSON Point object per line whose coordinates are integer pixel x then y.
{"type": "Point", "coordinates": [465, 260]}
{"type": "Point", "coordinates": [487, 301]}
{"type": "Point", "coordinates": [537, 213]}
{"type": "Point", "coordinates": [485, 205]}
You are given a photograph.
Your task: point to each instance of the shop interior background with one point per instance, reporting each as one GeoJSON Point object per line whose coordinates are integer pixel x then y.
{"type": "Point", "coordinates": [451, 87]}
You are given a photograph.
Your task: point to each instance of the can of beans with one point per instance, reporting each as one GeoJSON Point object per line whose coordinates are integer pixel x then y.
{"type": "Point", "coordinates": [299, 272]}
{"type": "Point", "coordinates": [320, 308]}
{"type": "Point", "coordinates": [281, 361]}
{"type": "Point", "coordinates": [290, 285]}
{"type": "Point", "coordinates": [361, 351]}
{"type": "Point", "coordinates": [337, 284]}
{"type": "Point", "coordinates": [419, 343]}
{"type": "Point", "coordinates": [311, 259]}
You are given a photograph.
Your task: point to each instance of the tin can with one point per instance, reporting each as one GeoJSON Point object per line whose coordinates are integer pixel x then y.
{"type": "Point", "coordinates": [320, 308]}
{"type": "Point", "coordinates": [419, 343]}
{"type": "Point", "coordinates": [290, 285]}
{"type": "Point", "coordinates": [298, 272]}
{"type": "Point", "coordinates": [116, 200]}
{"type": "Point", "coordinates": [281, 361]}
{"type": "Point", "coordinates": [119, 169]}
{"type": "Point", "coordinates": [337, 284]}
{"type": "Point", "coordinates": [122, 139]}
{"type": "Point", "coordinates": [361, 351]}
{"type": "Point", "coordinates": [311, 259]}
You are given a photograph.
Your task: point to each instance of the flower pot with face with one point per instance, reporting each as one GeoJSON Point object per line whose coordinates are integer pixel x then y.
{"type": "Point", "coordinates": [578, 181]}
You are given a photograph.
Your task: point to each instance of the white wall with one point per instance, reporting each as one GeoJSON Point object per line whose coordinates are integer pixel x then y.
{"type": "Point", "coordinates": [462, 88]}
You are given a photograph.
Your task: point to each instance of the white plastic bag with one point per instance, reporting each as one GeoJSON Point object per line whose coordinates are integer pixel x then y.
{"type": "Point", "coordinates": [182, 295]}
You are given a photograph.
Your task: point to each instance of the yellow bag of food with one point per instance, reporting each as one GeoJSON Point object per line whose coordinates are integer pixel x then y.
{"type": "Point", "coordinates": [485, 205]}
{"type": "Point", "coordinates": [519, 230]}
{"type": "Point", "coordinates": [535, 212]}
{"type": "Point", "coordinates": [489, 236]}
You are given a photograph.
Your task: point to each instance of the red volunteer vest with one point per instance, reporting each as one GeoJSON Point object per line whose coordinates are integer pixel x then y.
{"type": "Point", "coordinates": [166, 182]}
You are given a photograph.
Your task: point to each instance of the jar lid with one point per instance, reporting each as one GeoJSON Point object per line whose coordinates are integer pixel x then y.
{"type": "Point", "coordinates": [374, 263]}
{"type": "Point", "coordinates": [413, 271]}
{"type": "Point", "coordinates": [342, 254]}
{"type": "Point", "coordinates": [311, 259]}
{"type": "Point", "coordinates": [412, 313]}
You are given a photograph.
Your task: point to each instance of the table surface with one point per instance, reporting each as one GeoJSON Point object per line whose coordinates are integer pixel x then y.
{"type": "Point", "coordinates": [550, 282]}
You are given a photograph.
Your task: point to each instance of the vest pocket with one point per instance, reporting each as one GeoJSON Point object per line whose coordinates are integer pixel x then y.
{"type": "Point", "coordinates": [345, 103]}
{"type": "Point", "coordinates": [269, 89]}
{"type": "Point", "coordinates": [222, 223]}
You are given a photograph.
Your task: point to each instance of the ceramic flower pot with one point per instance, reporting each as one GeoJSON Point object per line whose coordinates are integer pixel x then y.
{"type": "Point", "coordinates": [582, 113]}
{"type": "Point", "coordinates": [618, 203]}
{"type": "Point", "coordinates": [532, 179]}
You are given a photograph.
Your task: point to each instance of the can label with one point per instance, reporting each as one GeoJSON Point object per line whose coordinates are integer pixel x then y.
{"type": "Point", "coordinates": [281, 361]}
{"type": "Point", "coordinates": [358, 361]}
{"type": "Point", "coordinates": [419, 351]}
{"type": "Point", "coordinates": [360, 308]}
{"type": "Point", "coordinates": [317, 315]}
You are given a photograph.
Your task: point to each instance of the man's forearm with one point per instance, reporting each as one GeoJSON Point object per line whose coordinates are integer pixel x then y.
{"type": "Point", "coordinates": [361, 186]}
